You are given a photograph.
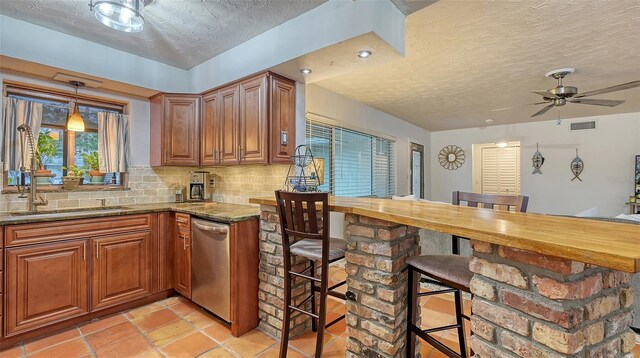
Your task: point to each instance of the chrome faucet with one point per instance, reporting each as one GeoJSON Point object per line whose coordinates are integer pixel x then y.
{"type": "Point", "coordinates": [33, 200]}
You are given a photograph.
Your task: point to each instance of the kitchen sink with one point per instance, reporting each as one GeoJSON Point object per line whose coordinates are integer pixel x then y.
{"type": "Point", "coordinates": [68, 212]}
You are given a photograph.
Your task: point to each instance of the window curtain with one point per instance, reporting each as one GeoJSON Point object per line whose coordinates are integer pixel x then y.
{"type": "Point", "coordinates": [16, 112]}
{"type": "Point", "coordinates": [113, 142]}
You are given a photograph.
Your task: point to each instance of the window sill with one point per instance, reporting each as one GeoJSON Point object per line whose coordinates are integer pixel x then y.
{"type": "Point", "coordinates": [59, 189]}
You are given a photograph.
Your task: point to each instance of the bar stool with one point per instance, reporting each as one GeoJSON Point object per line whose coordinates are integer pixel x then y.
{"type": "Point", "coordinates": [302, 236]}
{"type": "Point", "coordinates": [452, 272]}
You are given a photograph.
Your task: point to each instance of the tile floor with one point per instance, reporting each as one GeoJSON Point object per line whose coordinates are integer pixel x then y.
{"type": "Point", "coordinates": [177, 328]}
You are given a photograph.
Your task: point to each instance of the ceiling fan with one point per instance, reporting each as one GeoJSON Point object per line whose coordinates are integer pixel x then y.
{"type": "Point", "coordinates": [561, 94]}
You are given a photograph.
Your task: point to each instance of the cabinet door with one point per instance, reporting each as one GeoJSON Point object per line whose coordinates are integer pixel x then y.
{"type": "Point", "coordinates": [181, 134]}
{"type": "Point", "coordinates": [209, 144]}
{"type": "Point", "coordinates": [283, 119]}
{"type": "Point", "coordinates": [182, 267]}
{"type": "Point", "coordinates": [121, 269]}
{"type": "Point", "coordinates": [253, 120]}
{"type": "Point", "coordinates": [45, 284]}
{"type": "Point", "coordinates": [229, 124]}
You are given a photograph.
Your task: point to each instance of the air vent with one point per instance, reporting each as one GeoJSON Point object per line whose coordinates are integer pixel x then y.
{"type": "Point", "coordinates": [580, 126]}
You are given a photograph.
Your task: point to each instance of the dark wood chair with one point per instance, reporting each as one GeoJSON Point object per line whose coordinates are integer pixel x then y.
{"type": "Point", "coordinates": [451, 271]}
{"type": "Point", "coordinates": [304, 235]}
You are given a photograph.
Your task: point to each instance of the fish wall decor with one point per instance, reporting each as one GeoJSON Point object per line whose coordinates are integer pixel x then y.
{"type": "Point", "coordinates": [537, 160]}
{"type": "Point", "coordinates": [577, 165]}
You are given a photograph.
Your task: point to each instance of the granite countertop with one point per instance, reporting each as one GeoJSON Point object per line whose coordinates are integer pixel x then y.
{"type": "Point", "coordinates": [222, 212]}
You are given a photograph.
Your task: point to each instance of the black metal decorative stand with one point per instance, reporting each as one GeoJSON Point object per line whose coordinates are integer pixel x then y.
{"type": "Point", "coordinates": [303, 171]}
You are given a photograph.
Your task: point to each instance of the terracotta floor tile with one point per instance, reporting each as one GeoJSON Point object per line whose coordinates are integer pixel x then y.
{"type": "Point", "coordinates": [111, 334]}
{"type": "Point", "coordinates": [47, 342]}
{"type": "Point", "coordinates": [250, 344]}
{"type": "Point", "coordinates": [173, 300]}
{"type": "Point", "coordinates": [102, 323]}
{"type": "Point", "coordinates": [15, 352]}
{"type": "Point", "coordinates": [218, 331]}
{"type": "Point", "coordinates": [155, 319]}
{"type": "Point", "coordinates": [636, 350]}
{"type": "Point", "coordinates": [274, 352]}
{"type": "Point", "coordinates": [145, 310]}
{"type": "Point", "coordinates": [306, 343]}
{"type": "Point", "coordinates": [189, 346]}
{"type": "Point", "coordinates": [152, 354]}
{"type": "Point", "coordinates": [134, 346]}
{"type": "Point", "coordinates": [200, 319]}
{"type": "Point", "coordinates": [339, 327]}
{"type": "Point", "coordinates": [170, 332]}
{"type": "Point", "coordinates": [183, 308]}
{"type": "Point", "coordinates": [217, 353]}
{"type": "Point", "coordinates": [75, 348]}
{"type": "Point", "coordinates": [336, 348]}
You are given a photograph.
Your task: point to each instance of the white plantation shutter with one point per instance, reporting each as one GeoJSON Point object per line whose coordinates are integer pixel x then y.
{"type": "Point", "coordinates": [501, 170]}
{"type": "Point", "coordinates": [355, 163]}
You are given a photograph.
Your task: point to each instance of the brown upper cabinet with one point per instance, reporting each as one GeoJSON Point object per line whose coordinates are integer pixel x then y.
{"type": "Point", "coordinates": [175, 130]}
{"type": "Point", "coordinates": [250, 121]}
{"type": "Point", "coordinates": [282, 129]}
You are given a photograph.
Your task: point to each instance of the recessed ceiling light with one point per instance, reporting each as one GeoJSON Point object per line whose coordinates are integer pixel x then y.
{"type": "Point", "coordinates": [502, 144]}
{"type": "Point", "coordinates": [365, 54]}
{"type": "Point", "coordinates": [305, 71]}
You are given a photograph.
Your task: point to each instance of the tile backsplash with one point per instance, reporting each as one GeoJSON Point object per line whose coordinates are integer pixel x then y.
{"type": "Point", "coordinates": [234, 184]}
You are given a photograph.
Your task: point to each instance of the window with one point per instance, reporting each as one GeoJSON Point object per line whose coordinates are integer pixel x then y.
{"type": "Point", "coordinates": [68, 146]}
{"type": "Point", "coordinates": [355, 163]}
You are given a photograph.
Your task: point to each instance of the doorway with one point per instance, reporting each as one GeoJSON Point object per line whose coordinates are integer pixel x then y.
{"type": "Point", "coordinates": [416, 168]}
{"type": "Point", "coordinates": [496, 168]}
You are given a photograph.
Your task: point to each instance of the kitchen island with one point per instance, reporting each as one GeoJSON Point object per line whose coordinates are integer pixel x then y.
{"type": "Point", "coordinates": [543, 285]}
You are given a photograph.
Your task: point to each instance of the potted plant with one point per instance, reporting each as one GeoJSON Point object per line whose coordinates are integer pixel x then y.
{"type": "Point", "coordinates": [73, 177]}
{"type": "Point", "coordinates": [92, 165]}
{"type": "Point", "coordinates": [45, 150]}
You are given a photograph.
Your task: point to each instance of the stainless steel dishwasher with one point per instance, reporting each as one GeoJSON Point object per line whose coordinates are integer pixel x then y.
{"type": "Point", "coordinates": [210, 267]}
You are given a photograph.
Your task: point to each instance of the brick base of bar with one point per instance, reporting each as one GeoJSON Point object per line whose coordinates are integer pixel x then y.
{"type": "Point", "coordinates": [376, 259]}
{"type": "Point", "coordinates": [531, 305]}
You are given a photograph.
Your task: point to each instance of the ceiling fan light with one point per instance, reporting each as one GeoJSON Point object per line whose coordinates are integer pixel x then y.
{"type": "Point", "coordinates": [122, 15]}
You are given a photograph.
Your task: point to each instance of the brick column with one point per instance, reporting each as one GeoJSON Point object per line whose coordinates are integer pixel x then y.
{"type": "Point", "coordinates": [532, 305]}
{"type": "Point", "coordinates": [376, 257]}
{"type": "Point", "coordinates": [271, 290]}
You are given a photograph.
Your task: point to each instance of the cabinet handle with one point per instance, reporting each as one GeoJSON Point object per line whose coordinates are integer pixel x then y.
{"type": "Point", "coordinates": [97, 250]}
{"type": "Point", "coordinates": [184, 243]}
{"type": "Point", "coordinates": [84, 251]}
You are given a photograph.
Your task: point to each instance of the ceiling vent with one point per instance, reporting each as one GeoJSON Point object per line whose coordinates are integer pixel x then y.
{"type": "Point", "coordinates": [580, 126]}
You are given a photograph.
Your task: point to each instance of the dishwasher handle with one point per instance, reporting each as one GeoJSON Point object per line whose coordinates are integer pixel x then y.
{"type": "Point", "coordinates": [214, 229]}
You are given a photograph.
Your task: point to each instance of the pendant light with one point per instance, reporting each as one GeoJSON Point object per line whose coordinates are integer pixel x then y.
{"type": "Point", "coordinates": [75, 122]}
{"type": "Point", "coordinates": [122, 15]}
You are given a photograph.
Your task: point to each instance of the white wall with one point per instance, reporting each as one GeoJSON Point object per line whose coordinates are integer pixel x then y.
{"type": "Point", "coordinates": [335, 106]}
{"type": "Point", "coordinates": [608, 154]}
{"type": "Point", "coordinates": [139, 114]}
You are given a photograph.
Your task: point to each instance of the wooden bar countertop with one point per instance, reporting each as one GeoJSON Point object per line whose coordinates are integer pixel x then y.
{"type": "Point", "coordinates": [606, 244]}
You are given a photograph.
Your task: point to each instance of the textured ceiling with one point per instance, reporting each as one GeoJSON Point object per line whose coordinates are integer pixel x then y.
{"type": "Point", "coordinates": [466, 61]}
{"type": "Point", "coordinates": [181, 33]}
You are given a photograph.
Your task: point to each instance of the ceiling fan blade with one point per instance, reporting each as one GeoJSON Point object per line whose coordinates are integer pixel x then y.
{"type": "Point", "coordinates": [598, 102]}
{"type": "Point", "coordinates": [546, 94]}
{"type": "Point", "coordinates": [537, 103]}
{"type": "Point", "coordinates": [620, 87]}
{"type": "Point", "coordinates": [544, 110]}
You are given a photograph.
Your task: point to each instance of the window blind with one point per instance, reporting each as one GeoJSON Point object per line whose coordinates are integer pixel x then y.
{"type": "Point", "coordinates": [355, 163]}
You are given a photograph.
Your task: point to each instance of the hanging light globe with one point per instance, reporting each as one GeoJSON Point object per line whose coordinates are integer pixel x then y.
{"type": "Point", "coordinates": [122, 15]}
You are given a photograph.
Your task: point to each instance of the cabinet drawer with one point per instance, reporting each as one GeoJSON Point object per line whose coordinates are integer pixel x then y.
{"type": "Point", "coordinates": [183, 221]}
{"type": "Point", "coordinates": [25, 234]}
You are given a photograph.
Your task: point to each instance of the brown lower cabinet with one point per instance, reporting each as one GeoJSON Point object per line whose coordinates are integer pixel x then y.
{"type": "Point", "coordinates": [121, 269]}
{"type": "Point", "coordinates": [46, 283]}
{"type": "Point", "coordinates": [57, 274]}
{"type": "Point", "coordinates": [182, 262]}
